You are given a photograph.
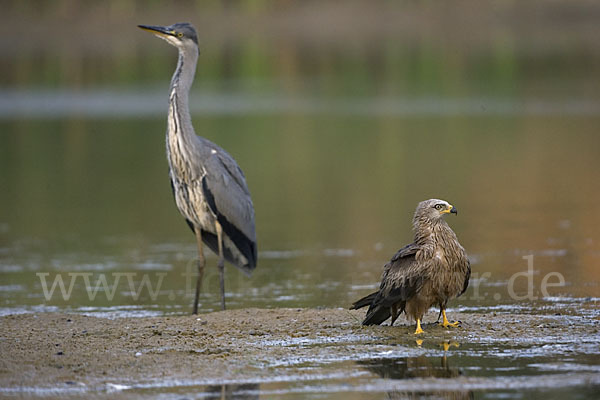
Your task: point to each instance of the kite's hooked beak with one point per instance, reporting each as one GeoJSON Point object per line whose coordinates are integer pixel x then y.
{"type": "Point", "coordinates": [450, 209]}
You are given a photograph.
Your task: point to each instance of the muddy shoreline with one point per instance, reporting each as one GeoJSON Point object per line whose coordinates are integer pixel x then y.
{"type": "Point", "coordinates": [54, 350]}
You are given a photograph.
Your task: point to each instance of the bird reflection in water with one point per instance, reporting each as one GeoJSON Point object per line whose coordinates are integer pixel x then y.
{"type": "Point", "coordinates": [244, 391]}
{"type": "Point", "coordinates": [405, 368]}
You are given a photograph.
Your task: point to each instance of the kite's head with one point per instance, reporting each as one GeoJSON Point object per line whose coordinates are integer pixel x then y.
{"type": "Point", "coordinates": [434, 209]}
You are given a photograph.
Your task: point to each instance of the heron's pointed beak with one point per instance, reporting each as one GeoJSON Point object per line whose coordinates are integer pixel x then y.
{"type": "Point", "coordinates": [159, 31]}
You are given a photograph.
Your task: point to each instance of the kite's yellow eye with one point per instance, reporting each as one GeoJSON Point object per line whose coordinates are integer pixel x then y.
{"type": "Point", "coordinates": [438, 207]}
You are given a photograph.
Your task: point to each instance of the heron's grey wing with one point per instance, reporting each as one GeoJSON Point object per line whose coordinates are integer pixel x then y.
{"type": "Point", "coordinates": [225, 189]}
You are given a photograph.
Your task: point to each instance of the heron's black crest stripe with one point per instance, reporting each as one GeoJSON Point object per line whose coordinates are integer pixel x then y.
{"type": "Point", "coordinates": [246, 246]}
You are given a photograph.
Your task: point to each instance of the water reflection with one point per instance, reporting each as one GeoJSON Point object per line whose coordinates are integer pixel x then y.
{"type": "Point", "coordinates": [407, 368]}
{"type": "Point", "coordinates": [414, 367]}
{"type": "Point", "coordinates": [411, 367]}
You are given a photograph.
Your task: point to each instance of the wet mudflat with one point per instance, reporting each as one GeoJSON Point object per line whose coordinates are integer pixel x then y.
{"type": "Point", "coordinates": [315, 353]}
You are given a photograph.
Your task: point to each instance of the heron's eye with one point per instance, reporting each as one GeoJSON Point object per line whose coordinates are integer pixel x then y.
{"type": "Point", "coordinates": [179, 35]}
{"type": "Point", "coordinates": [438, 207]}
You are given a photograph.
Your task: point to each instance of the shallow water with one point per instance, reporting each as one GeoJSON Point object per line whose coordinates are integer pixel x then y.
{"type": "Point", "coordinates": [338, 145]}
{"type": "Point", "coordinates": [337, 205]}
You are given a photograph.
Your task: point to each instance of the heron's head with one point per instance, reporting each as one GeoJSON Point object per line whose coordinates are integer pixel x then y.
{"type": "Point", "coordinates": [434, 209]}
{"type": "Point", "coordinates": [180, 35]}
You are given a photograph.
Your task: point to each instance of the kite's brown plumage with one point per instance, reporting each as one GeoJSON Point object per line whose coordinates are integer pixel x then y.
{"type": "Point", "coordinates": [428, 272]}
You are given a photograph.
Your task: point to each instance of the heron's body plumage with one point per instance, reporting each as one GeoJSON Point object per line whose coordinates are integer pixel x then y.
{"type": "Point", "coordinates": [200, 169]}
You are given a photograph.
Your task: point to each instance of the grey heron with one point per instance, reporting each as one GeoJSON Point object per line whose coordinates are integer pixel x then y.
{"type": "Point", "coordinates": [209, 187]}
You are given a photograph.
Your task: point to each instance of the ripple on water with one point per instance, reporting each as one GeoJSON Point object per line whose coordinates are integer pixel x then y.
{"type": "Point", "coordinates": [11, 288]}
{"type": "Point", "coordinates": [8, 268]}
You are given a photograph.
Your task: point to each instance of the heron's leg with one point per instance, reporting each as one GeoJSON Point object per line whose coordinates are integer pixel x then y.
{"type": "Point", "coordinates": [394, 310]}
{"type": "Point", "coordinates": [419, 330]}
{"type": "Point", "coordinates": [221, 263]}
{"type": "Point", "coordinates": [201, 262]}
{"type": "Point", "coordinates": [446, 323]}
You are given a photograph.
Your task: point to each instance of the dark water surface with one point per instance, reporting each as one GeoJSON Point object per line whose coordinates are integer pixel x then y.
{"type": "Point", "coordinates": [337, 152]}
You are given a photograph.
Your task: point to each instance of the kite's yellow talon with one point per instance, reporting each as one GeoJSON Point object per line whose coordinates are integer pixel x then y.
{"type": "Point", "coordinates": [452, 324]}
{"type": "Point", "coordinates": [418, 331]}
{"type": "Point", "coordinates": [446, 323]}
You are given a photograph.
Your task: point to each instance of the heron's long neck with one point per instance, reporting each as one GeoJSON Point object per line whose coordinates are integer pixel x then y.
{"type": "Point", "coordinates": [180, 122]}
